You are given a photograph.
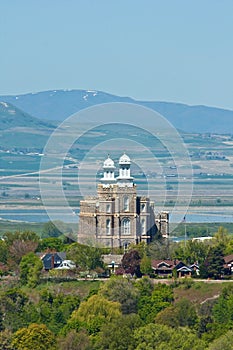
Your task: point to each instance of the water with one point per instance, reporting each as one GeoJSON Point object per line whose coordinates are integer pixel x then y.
{"type": "Point", "coordinates": [40, 215]}
{"type": "Point", "coordinates": [37, 215]}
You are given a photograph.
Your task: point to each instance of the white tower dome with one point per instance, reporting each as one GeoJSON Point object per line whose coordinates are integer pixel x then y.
{"type": "Point", "coordinates": [124, 179]}
{"type": "Point", "coordinates": [124, 159]}
{"type": "Point", "coordinates": [109, 168]}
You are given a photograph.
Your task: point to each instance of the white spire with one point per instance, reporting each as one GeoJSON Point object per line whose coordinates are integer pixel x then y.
{"type": "Point", "coordinates": [124, 178]}
{"type": "Point", "coordinates": [109, 168]}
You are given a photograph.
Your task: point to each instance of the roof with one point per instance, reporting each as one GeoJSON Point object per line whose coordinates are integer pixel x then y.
{"type": "Point", "coordinates": [164, 264]}
{"type": "Point", "coordinates": [108, 163]}
{"type": "Point", "coordinates": [110, 258]}
{"type": "Point", "coordinates": [228, 258]}
{"type": "Point", "coordinates": [124, 159]}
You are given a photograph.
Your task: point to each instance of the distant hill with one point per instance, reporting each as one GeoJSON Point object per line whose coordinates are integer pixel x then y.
{"type": "Point", "coordinates": [13, 117]}
{"type": "Point", "coordinates": [59, 104]}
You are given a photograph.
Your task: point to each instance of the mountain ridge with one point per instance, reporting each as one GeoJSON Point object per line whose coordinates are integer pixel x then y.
{"type": "Point", "coordinates": [57, 105]}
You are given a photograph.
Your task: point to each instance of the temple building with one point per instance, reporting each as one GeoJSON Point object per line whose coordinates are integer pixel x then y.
{"type": "Point", "coordinates": [117, 217]}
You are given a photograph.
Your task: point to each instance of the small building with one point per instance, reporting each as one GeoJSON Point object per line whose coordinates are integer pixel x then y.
{"type": "Point", "coordinates": [228, 266]}
{"type": "Point", "coordinates": [113, 261]}
{"type": "Point", "coordinates": [52, 260]}
{"type": "Point", "coordinates": [166, 268]}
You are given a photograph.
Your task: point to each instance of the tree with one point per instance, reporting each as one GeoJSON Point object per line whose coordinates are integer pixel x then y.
{"type": "Point", "coordinates": [123, 291]}
{"type": "Point", "coordinates": [93, 313]}
{"type": "Point", "coordinates": [223, 342]}
{"type": "Point", "coordinates": [5, 340]}
{"type": "Point", "coordinates": [192, 251]}
{"type": "Point", "coordinates": [150, 306]}
{"type": "Point", "coordinates": [131, 263]}
{"type": "Point", "coordinates": [75, 340]}
{"type": "Point", "coordinates": [222, 236]}
{"type": "Point", "coordinates": [119, 333]}
{"type": "Point", "coordinates": [30, 268]}
{"type": "Point", "coordinates": [35, 336]}
{"type": "Point", "coordinates": [51, 243]}
{"type": "Point", "coordinates": [85, 257]}
{"type": "Point", "coordinates": [145, 265]}
{"type": "Point", "coordinates": [160, 337]}
{"type": "Point", "coordinates": [181, 314]}
{"type": "Point", "coordinates": [212, 267]}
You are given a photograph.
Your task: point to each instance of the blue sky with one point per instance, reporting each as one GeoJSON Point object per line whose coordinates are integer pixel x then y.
{"type": "Point", "coordinates": [177, 50]}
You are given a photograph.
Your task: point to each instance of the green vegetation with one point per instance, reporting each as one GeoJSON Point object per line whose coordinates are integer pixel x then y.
{"type": "Point", "coordinates": [42, 312]}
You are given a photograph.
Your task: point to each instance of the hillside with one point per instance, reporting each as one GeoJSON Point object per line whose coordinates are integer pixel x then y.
{"type": "Point", "coordinates": [18, 129]}
{"type": "Point", "coordinates": [13, 117]}
{"type": "Point", "coordinates": [59, 104]}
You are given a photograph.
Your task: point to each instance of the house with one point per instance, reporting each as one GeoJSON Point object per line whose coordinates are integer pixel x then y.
{"type": "Point", "coordinates": [52, 260]}
{"type": "Point", "coordinates": [113, 261]}
{"type": "Point", "coordinates": [228, 266]}
{"type": "Point", "coordinates": [166, 268]}
{"type": "Point", "coordinates": [66, 265]}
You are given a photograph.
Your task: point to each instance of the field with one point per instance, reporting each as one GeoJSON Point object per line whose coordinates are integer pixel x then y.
{"type": "Point", "coordinates": [204, 184]}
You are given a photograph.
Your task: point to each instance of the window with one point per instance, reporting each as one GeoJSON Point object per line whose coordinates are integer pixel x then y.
{"type": "Point", "coordinates": [108, 208]}
{"type": "Point", "coordinates": [126, 226]}
{"type": "Point", "coordinates": [143, 207]}
{"type": "Point", "coordinates": [143, 226]}
{"type": "Point", "coordinates": [126, 203]}
{"type": "Point", "coordinates": [108, 226]}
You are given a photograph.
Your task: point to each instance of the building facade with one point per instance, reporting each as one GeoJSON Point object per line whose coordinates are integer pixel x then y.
{"type": "Point", "coordinates": [117, 217]}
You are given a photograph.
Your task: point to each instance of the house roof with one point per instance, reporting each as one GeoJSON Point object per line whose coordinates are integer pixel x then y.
{"type": "Point", "coordinates": [228, 259]}
{"type": "Point", "coordinates": [110, 258]}
{"type": "Point", "coordinates": [164, 264]}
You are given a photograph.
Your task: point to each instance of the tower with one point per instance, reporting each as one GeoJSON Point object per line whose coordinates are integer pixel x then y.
{"type": "Point", "coordinates": [109, 169]}
{"type": "Point", "coordinates": [124, 179]}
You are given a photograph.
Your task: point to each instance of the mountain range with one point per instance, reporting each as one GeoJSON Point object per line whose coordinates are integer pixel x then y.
{"type": "Point", "coordinates": [56, 105]}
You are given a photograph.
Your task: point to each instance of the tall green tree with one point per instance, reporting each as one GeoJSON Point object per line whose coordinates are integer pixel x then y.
{"type": "Point", "coordinates": [35, 336]}
{"type": "Point", "coordinates": [85, 257]}
{"type": "Point", "coordinates": [212, 266]}
{"type": "Point", "coordinates": [30, 268]}
{"type": "Point", "coordinates": [93, 313]}
{"type": "Point", "coordinates": [123, 291]}
{"type": "Point", "coordinates": [119, 334]}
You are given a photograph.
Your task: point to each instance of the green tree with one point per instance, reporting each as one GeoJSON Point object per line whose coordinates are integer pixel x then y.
{"type": "Point", "coordinates": [50, 243]}
{"type": "Point", "coordinates": [5, 340]}
{"type": "Point", "coordinates": [222, 236]}
{"type": "Point", "coordinates": [75, 341]}
{"type": "Point", "coordinates": [30, 268]}
{"type": "Point", "coordinates": [123, 291]}
{"type": "Point", "coordinates": [223, 342]}
{"type": "Point", "coordinates": [119, 333]}
{"type": "Point", "coordinates": [145, 265]}
{"type": "Point", "coordinates": [212, 267]}
{"type": "Point", "coordinates": [35, 336]}
{"type": "Point", "coordinates": [192, 251]}
{"type": "Point", "coordinates": [160, 337]}
{"type": "Point", "coordinates": [150, 306]}
{"type": "Point", "coordinates": [181, 314]}
{"type": "Point", "coordinates": [93, 313]}
{"type": "Point", "coordinates": [85, 257]}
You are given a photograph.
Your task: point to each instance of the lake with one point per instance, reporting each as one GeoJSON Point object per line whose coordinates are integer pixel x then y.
{"type": "Point", "coordinates": [40, 215]}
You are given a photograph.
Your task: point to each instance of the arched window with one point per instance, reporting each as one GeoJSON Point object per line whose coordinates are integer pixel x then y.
{"type": "Point", "coordinates": [108, 226]}
{"type": "Point", "coordinates": [126, 226]}
{"type": "Point", "coordinates": [143, 226]}
{"type": "Point", "coordinates": [126, 203]}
